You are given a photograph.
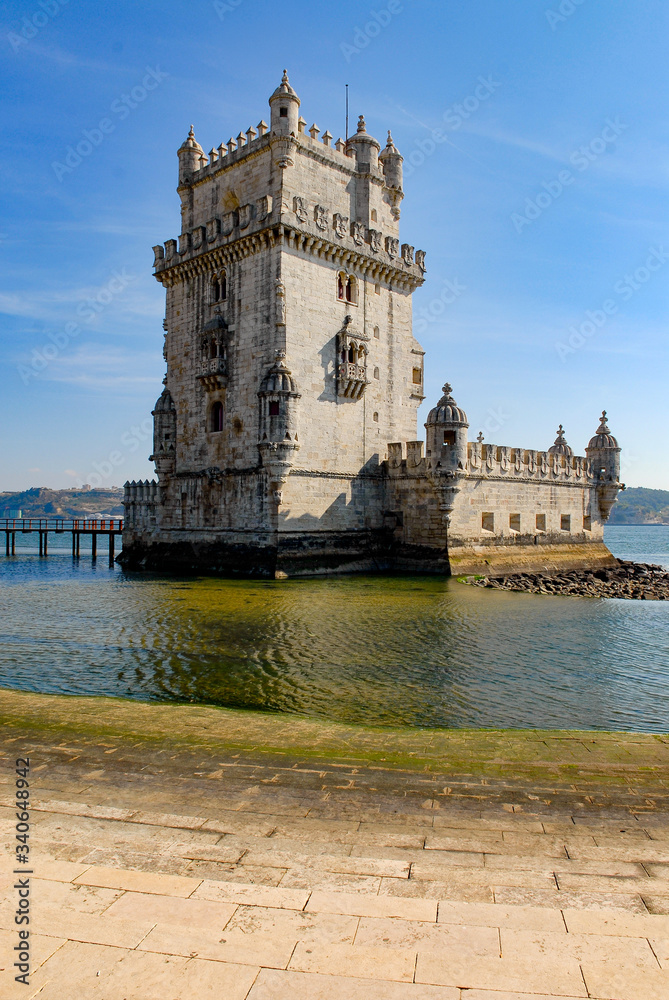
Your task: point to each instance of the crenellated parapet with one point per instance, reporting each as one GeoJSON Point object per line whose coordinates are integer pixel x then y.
{"type": "Point", "coordinates": [491, 461]}
{"type": "Point", "coordinates": [142, 492]}
{"type": "Point", "coordinates": [307, 225]}
{"type": "Point", "coordinates": [140, 500]}
{"type": "Point", "coordinates": [266, 206]}
{"type": "Point", "coordinates": [451, 461]}
{"type": "Point", "coordinates": [506, 462]}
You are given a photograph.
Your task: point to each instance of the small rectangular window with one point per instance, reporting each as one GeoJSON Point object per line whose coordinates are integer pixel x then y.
{"type": "Point", "coordinates": [587, 522]}
{"type": "Point", "coordinates": [283, 112]}
{"type": "Point", "coordinates": [274, 409]}
{"type": "Point", "coordinates": [417, 376]}
{"type": "Point", "coordinates": [488, 522]}
{"type": "Point", "coordinates": [541, 522]}
{"type": "Point", "coordinates": [514, 522]}
{"type": "Point", "coordinates": [565, 522]}
{"type": "Point", "coordinates": [449, 437]}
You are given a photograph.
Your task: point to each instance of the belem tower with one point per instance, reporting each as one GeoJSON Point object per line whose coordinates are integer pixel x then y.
{"type": "Point", "coordinates": [285, 437]}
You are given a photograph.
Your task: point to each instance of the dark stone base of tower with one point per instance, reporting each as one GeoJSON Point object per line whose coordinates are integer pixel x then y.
{"type": "Point", "coordinates": [295, 555]}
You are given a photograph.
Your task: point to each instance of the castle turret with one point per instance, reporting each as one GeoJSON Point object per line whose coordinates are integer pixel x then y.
{"type": "Point", "coordinates": [284, 105]}
{"type": "Point", "coordinates": [278, 442]}
{"type": "Point", "coordinates": [603, 452]}
{"type": "Point", "coordinates": [164, 435]}
{"type": "Point", "coordinates": [446, 427]}
{"type": "Point", "coordinates": [391, 161]}
{"type": "Point", "coordinates": [189, 153]}
{"type": "Point", "coordinates": [365, 148]}
{"type": "Point", "coordinates": [560, 446]}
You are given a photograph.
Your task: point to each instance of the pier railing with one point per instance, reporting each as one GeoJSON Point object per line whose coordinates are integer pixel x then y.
{"type": "Point", "coordinates": [76, 527]}
{"type": "Point", "coordinates": [59, 524]}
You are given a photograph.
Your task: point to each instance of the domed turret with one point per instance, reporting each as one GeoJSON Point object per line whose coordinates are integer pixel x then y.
{"type": "Point", "coordinates": [391, 161]}
{"type": "Point", "coordinates": [284, 106]}
{"type": "Point", "coordinates": [278, 442]}
{"type": "Point", "coordinates": [189, 154]}
{"type": "Point", "coordinates": [365, 147]}
{"type": "Point", "coordinates": [603, 439]}
{"type": "Point", "coordinates": [560, 446]}
{"type": "Point", "coordinates": [278, 378]}
{"type": "Point", "coordinates": [603, 452]}
{"type": "Point", "coordinates": [164, 435]}
{"type": "Point", "coordinates": [446, 427]}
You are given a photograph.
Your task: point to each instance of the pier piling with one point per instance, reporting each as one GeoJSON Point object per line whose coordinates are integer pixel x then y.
{"type": "Point", "coordinates": [77, 527]}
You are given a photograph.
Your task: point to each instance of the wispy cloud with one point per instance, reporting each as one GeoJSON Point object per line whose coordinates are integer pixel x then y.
{"type": "Point", "coordinates": [56, 306]}
{"type": "Point", "coordinates": [70, 60]}
{"type": "Point", "coordinates": [89, 368]}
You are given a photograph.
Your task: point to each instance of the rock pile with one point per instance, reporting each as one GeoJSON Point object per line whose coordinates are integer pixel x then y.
{"type": "Point", "coordinates": [635, 581]}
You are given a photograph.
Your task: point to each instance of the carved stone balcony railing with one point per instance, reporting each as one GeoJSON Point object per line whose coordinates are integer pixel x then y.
{"type": "Point", "coordinates": [213, 373]}
{"type": "Point", "coordinates": [351, 379]}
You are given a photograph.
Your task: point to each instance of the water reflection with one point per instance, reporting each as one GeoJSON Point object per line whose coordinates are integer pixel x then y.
{"type": "Point", "coordinates": [389, 651]}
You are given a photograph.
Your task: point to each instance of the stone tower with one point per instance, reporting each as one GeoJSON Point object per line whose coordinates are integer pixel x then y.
{"type": "Point", "coordinates": [290, 357]}
{"type": "Point", "coordinates": [285, 437]}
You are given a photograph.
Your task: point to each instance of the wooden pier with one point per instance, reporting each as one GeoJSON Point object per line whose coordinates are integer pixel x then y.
{"type": "Point", "coordinates": [109, 527]}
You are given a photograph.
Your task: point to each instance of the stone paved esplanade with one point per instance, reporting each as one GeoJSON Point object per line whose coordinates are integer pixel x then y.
{"type": "Point", "coordinates": [285, 438]}
{"type": "Point", "coordinates": [175, 858]}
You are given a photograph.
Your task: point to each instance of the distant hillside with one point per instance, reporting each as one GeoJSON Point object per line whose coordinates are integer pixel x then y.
{"type": "Point", "coordinates": [40, 501]}
{"type": "Point", "coordinates": [638, 505]}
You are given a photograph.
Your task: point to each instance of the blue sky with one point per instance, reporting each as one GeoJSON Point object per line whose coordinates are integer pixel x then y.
{"type": "Point", "coordinates": [534, 137]}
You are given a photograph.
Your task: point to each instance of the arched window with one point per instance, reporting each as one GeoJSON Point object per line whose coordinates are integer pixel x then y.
{"type": "Point", "coordinates": [219, 288]}
{"type": "Point", "coordinates": [351, 354]}
{"type": "Point", "coordinates": [216, 419]}
{"type": "Point", "coordinates": [347, 288]}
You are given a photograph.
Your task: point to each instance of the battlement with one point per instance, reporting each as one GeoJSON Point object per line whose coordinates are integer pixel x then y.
{"type": "Point", "coordinates": [255, 140]}
{"type": "Point", "coordinates": [491, 461]}
{"type": "Point", "coordinates": [276, 180]}
{"type": "Point", "coordinates": [142, 492]}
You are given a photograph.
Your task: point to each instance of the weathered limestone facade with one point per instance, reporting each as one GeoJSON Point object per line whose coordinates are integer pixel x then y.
{"type": "Point", "coordinates": [291, 369]}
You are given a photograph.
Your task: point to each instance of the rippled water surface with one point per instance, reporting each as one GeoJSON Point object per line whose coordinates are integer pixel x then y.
{"type": "Point", "coordinates": [418, 651]}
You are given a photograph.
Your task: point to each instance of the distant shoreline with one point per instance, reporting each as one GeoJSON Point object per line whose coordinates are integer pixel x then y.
{"type": "Point", "coordinates": [638, 524]}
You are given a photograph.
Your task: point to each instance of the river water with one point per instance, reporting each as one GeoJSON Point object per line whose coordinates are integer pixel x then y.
{"type": "Point", "coordinates": [409, 651]}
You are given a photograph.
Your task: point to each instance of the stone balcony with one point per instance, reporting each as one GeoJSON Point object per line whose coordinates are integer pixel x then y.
{"type": "Point", "coordinates": [351, 379]}
{"type": "Point", "coordinates": [213, 373]}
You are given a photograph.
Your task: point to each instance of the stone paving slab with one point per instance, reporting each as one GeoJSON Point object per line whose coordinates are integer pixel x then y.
{"type": "Point", "coordinates": [181, 851]}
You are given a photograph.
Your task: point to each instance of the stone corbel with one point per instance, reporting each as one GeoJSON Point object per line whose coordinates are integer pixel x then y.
{"type": "Point", "coordinates": [283, 150]}
{"type": "Point", "coordinates": [446, 486]}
